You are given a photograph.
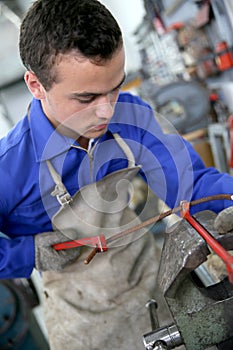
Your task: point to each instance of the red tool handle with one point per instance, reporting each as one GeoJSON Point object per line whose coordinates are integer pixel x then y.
{"type": "Point", "coordinates": [99, 242]}
{"type": "Point", "coordinates": [210, 240]}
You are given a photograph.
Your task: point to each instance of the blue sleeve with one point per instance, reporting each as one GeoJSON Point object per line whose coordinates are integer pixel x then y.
{"type": "Point", "coordinates": [17, 252]}
{"type": "Point", "coordinates": [17, 257]}
{"type": "Point", "coordinates": [208, 181]}
{"type": "Point", "coordinates": [175, 172]}
{"type": "Point", "coordinates": [170, 165]}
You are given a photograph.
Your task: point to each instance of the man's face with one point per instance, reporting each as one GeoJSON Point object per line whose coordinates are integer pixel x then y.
{"type": "Point", "coordinates": [81, 101]}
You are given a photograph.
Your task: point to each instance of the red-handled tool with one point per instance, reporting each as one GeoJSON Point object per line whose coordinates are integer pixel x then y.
{"type": "Point", "coordinates": [98, 242]}
{"type": "Point", "coordinates": [210, 240]}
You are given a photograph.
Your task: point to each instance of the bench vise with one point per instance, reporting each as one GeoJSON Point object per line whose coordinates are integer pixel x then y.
{"type": "Point", "coordinates": [200, 306]}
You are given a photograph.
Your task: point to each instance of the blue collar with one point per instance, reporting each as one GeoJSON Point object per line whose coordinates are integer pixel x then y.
{"type": "Point", "coordinates": [46, 141]}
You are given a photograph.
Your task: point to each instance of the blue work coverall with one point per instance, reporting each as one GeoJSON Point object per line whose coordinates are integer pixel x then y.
{"type": "Point", "coordinates": [171, 167]}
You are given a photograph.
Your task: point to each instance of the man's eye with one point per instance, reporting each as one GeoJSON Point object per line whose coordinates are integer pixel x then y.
{"type": "Point", "coordinates": [86, 99]}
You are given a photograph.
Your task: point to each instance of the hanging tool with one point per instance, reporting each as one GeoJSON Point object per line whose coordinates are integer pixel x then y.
{"type": "Point", "coordinates": [174, 7]}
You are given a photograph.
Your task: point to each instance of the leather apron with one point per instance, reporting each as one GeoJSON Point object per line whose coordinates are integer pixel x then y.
{"type": "Point", "coordinates": [101, 305]}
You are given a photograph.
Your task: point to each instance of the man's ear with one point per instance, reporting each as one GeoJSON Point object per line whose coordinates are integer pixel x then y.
{"type": "Point", "coordinates": [34, 85]}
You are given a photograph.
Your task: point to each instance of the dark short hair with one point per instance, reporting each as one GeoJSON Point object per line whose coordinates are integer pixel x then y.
{"type": "Point", "coordinates": [53, 27]}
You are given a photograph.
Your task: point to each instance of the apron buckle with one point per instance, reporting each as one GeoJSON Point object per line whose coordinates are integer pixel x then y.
{"type": "Point", "coordinates": [63, 197]}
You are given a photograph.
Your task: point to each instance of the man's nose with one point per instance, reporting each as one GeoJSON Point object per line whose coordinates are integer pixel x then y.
{"type": "Point", "coordinates": [104, 107]}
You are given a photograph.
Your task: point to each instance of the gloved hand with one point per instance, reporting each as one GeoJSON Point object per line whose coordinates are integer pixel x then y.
{"type": "Point", "coordinates": [223, 222]}
{"type": "Point", "coordinates": [47, 258]}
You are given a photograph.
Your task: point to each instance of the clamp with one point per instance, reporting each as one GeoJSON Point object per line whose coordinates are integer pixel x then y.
{"type": "Point", "coordinates": [193, 303]}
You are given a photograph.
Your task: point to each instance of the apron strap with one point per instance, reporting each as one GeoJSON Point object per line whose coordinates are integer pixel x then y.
{"type": "Point", "coordinates": [126, 149]}
{"type": "Point", "coordinates": [60, 190]}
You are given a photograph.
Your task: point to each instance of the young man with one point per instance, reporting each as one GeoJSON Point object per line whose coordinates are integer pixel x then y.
{"type": "Point", "coordinates": [66, 171]}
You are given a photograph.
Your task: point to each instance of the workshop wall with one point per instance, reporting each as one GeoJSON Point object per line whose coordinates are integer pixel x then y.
{"type": "Point", "coordinates": [129, 15]}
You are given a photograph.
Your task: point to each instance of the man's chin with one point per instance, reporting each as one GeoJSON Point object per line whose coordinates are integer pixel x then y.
{"type": "Point", "coordinates": [96, 132]}
{"type": "Point", "coordinates": [91, 133]}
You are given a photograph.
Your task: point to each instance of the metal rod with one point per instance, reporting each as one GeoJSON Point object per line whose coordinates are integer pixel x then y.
{"type": "Point", "coordinates": [152, 306]}
{"type": "Point", "coordinates": [158, 218]}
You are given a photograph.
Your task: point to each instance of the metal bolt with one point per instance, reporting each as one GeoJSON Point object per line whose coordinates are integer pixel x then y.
{"type": "Point", "coordinates": [152, 306]}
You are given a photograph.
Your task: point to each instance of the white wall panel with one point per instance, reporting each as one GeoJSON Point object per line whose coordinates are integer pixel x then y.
{"type": "Point", "coordinates": [129, 14]}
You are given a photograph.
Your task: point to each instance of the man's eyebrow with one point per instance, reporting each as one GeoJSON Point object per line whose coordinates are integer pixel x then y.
{"type": "Point", "coordinates": [94, 94]}
{"type": "Point", "coordinates": [119, 85]}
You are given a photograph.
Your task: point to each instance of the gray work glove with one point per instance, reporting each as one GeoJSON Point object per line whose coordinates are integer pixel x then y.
{"type": "Point", "coordinates": [47, 258]}
{"type": "Point", "coordinates": [224, 221]}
